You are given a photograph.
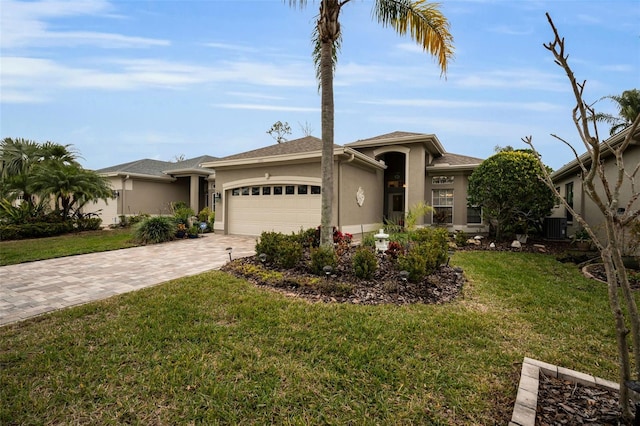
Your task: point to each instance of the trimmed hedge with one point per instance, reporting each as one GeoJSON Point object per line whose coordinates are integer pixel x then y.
{"type": "Point", "coordinates": [35, 230]}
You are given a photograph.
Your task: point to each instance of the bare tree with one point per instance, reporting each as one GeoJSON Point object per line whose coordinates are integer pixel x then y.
{"type": "Point", "coordinates": [279, 130]}
{"type": "Point", "coordinates": [618, 214]}
{"type": "Point", "coordinates": [306, 128]}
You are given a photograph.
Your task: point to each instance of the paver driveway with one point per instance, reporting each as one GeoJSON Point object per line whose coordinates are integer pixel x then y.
{"type": "Point", "coordinates": [33, 288]}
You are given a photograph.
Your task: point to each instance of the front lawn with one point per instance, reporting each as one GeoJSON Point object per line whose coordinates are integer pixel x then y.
{"type": "Point", "coordinates": [20, 251]}
{"type": "Point", "coordinates": [214, 349]}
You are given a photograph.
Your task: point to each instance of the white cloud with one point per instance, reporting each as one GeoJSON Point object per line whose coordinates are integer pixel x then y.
{"type": "Point", "coordinates": [440, 104]}
{"type": "Point", "coordinates": [509, 79]}
{"type": "Point", "coordinates": [25, 24]}
{"type": "Point", "coordinates": [264, 107]}
{"type": "Point", "coordinates": [229, 46]}
{"type": "Point", "coordinates": [22, 77]}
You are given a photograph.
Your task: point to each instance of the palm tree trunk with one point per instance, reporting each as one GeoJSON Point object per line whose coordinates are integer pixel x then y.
{"type": "Point", "coordinates": [326, 70]}
{"type": "Point", "coordinates": [328, 31]}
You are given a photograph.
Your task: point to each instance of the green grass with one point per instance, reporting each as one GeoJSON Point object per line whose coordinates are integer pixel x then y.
{"type": "Point", "coordinates": [20, 251]}
{"type": "Point", "coordinates": [212, 349]}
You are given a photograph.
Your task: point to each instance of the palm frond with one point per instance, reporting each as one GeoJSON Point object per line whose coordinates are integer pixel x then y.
{"type": "Point", "coordinates": [425, 23]}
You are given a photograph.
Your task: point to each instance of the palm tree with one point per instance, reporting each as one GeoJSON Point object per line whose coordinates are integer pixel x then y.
{"type": "Point", "coordinates": [71, 185]}
{"type": "Point", "coordinates": [628, 109]}
{"type": "Point", "coordinates": [17, 159]}
{"type": "Point", "coordinates": [426, 25]}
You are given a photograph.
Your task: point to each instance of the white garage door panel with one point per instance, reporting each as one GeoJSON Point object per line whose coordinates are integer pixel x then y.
{"type": "Point", "coordinates": [251, 215]}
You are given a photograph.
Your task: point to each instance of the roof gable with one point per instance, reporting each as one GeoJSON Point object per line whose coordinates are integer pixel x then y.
{"type": "Point", "coordinates": [296, 146]}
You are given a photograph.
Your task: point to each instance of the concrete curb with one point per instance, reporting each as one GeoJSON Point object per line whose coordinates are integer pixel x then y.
{"type": "Point", "coordinates": [524, 409]}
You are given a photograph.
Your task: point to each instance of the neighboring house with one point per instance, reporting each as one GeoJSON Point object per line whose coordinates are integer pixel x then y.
{"type": "Point", "coordinates": [150, 186]}
{"type": "Point", "coordinates": [568, 182]}
{"type": "Point", "coordinates": [277, 188]}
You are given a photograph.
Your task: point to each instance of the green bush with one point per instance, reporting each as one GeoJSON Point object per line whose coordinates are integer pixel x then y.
{"type": "Point", "coordinates": [155, 230]}
{"type": "Point", "coordinates": [364, 263]}
{"type": "Point", "coordinates": [183, 214]}
{"type": "Point", "coordinates": [422, 259]}
{"type": "Point", "coordinates": [289, 252]}
{"type": "Point", "coordinates": [460, 238]}
{"type": "Point", "coordinates": [268, 244]}
{"type": "Point", "coordinates": [435, 237]}
{"type": "Point", "coordinates": [307, 237]}
{"type": "Point", "coordinates": [35, 230]}
{"type": "Point", "coordinates": [321, 257]}
{"type": "Point", "coordinates": [88, 224]}
{"type": "Point", "coordinates": [415, 263]}
{"type": "Point", "coordinates": [282, 250]}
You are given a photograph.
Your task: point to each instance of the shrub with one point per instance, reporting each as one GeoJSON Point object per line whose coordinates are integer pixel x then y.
{"type": "Point", "coordinates": [437, 238]}
{"type": "Point", "coordinates": [422, 259]}
{"type": "Point", "coordinates": [289, 253]}
{"type": "Point", "coordinates": [321, 257]}
{"type": "Point", "coordinates": [460, 238]}
{"type": "Point", "coordinates": [155, 230]}
{"type": "Point", "coordinates": [268, 244]}
{"type": "Point", "coordinates": [364, 263]}
{"type": "Point", "coordinates": [308, 238]}
{"type": "Point", "coordinates": [35, 230]}
{"type": "Point", "coordinates": [183, 214]}
{"type": "Point", "coordinates": [283, 250]}
{"type": "Point", "coordinates": [88, 224]}
{"type": "Point", "coordinates": [415, 263]}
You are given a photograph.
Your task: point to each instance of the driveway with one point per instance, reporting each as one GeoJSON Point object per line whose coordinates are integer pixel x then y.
{"type": "Point", "coordinates": [33, 288]}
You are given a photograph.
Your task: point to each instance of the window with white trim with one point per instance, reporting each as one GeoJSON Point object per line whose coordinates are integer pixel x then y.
{"type": "Point", "coordinates": [442, 202]}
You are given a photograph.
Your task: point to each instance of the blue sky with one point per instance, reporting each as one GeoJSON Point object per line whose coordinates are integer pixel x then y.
{"type": "Point", "coordinates": [125, 80]}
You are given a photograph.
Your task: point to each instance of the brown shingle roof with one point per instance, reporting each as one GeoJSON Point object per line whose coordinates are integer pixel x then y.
{"type": "Point", "coordinates": [296, 146]}
{"type": "Point", "coordinates": [392, 135]}
{"type": "Point", "coordinates": [455, 160]}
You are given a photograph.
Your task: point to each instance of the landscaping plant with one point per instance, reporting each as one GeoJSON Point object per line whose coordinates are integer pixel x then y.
{"type": "Point", "coordinates": [155, 230]}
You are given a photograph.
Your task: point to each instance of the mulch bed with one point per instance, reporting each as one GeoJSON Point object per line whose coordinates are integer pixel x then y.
{"type": "Point", "coordinates": [561, 402]}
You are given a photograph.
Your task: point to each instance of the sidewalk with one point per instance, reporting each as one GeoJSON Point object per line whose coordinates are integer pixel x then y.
{"type": "Point", "coordinates": [33, 288]}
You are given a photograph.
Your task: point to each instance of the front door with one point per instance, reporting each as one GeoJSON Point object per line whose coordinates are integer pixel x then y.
{"type": "Point", "coordinates": [395, 208]}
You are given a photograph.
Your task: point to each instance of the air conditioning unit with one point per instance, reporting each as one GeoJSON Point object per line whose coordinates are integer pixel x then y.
{"type": "Point", "coordinates": [555, 228]}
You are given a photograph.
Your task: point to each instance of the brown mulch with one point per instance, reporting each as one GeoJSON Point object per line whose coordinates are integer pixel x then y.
{"type": "Point", "coordinates": [559, 402]}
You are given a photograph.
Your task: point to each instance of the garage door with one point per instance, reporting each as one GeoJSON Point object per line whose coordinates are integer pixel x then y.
{"type": "Point", "coordinates": [280, 208]}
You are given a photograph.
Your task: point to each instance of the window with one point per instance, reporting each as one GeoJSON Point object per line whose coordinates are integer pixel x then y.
{"type": "Point", "coordinates": [266, 190]}
{"type": "Point", "coordinates": [568, 196]}
{"type": "Point", "coordinates": [235, 191]}
{"type": "Point", "coordinates": [441, 180]}
{"type": "Point", "coordinates": [474, 214]}
{"type": "Point", "coordinates": [255, 190]}
{"type": "Point", "coordinates": [245, 190]}
{"type": "Point", "coordinates": [289, 189]}
{"type": "Point", "coordinates": [277, 190]}
{"type": "Point", "coordinates": [443, 205]}
{"type": "Point", "coordinates": [302, 189]}
{"type": "Point", "coordinates": [315, 190]}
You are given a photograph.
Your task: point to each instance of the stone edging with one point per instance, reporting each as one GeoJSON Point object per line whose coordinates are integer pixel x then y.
{"type": "Point", "coordinates": [524, 409]}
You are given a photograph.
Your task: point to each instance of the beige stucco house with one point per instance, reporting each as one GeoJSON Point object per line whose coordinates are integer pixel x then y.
{"type": "Point", "coordinates": [569, 183]}
{"type": "Point", "coordinates": [277, 188]}
{"type": "Point", "coordinates": [150, 186]}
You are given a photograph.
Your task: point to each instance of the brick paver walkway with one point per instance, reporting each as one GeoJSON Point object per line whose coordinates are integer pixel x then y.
{"type": "Point", "coordinates": [33, 288]}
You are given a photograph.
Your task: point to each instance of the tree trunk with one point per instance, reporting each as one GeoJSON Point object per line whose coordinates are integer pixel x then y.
{"type": "Point", "coordinates": [328, 30]}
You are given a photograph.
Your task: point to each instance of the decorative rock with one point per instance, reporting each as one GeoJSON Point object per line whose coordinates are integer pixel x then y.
{"type": "Point", "coordinates": [540, 248]}
{"type": "Point", "coordinates": [516, 244]}
{"type": "Point", "coordinates": [474, 241]}
{"type": "Point", "coordinates": [492, 245]}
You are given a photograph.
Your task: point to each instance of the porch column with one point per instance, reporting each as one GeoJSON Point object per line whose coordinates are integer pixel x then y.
{"type": "Point", "coordinates": [194, 194]}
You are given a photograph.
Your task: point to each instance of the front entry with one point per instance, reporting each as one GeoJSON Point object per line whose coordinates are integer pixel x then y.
{"type": "Point", "coordinates": [394, 187]}
{"type": "Point", "coordinates": [395, 208]}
